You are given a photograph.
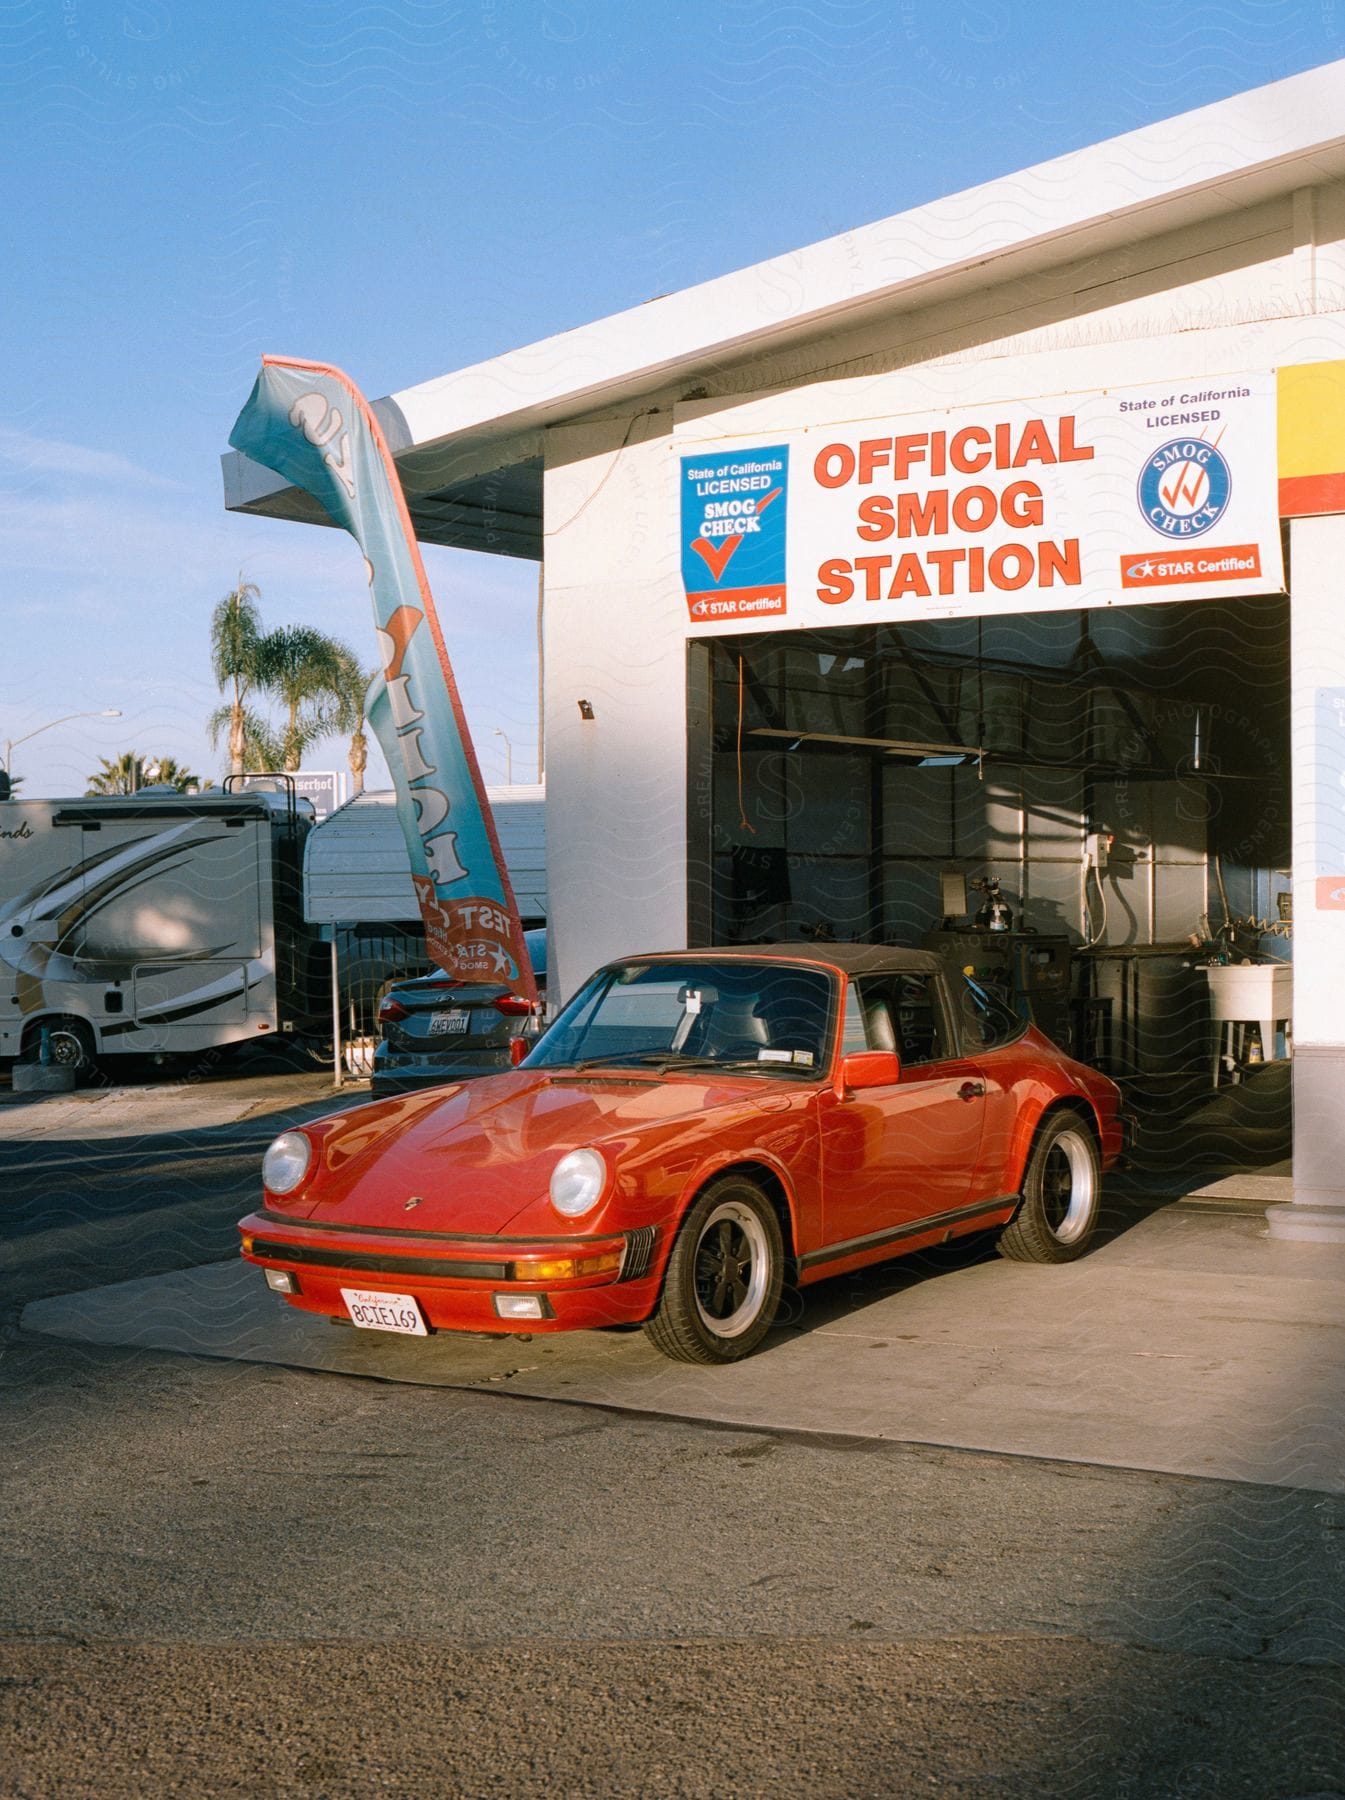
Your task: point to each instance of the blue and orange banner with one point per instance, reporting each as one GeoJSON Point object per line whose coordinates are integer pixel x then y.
{"type": "Point", "coordinates": [310, 423]}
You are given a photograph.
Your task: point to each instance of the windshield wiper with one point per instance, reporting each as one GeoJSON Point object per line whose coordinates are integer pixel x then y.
{"type": "Point", "coordinates": [664, 1060]}
{"type": "Point", "coordinates": [642, 1058]}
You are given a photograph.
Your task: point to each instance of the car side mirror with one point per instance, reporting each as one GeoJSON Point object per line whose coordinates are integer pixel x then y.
{"type": "Point", "coordinates": [518, 1049]}
{"type": "Point", "coordinates": [870, 1069]}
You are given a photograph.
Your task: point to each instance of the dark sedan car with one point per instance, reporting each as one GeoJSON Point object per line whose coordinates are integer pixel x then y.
{"type": "Point", "coordinates": [437, 1029]}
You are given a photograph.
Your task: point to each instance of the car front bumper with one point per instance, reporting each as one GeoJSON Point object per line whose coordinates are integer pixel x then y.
{"type": "Point", "coordinates": [455, 1279]}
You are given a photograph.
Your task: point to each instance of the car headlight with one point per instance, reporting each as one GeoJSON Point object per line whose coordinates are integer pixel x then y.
{"type": "Point", "coordinates": [577, 1182]}
{"type": "Point", "coordinates": [287, 1162]}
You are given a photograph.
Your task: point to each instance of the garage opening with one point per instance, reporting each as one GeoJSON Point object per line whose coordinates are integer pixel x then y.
{"type": "Point", "coordinates": [1091, 808]}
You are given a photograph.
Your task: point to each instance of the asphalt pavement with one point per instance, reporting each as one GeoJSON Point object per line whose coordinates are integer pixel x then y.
{"type": "Point", "coordinates": [232, 1578]}
{"type": "Point", "coordinates": [242, 1577]}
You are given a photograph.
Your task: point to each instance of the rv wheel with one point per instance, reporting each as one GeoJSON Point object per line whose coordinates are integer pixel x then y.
{"type": "Point", "coordinates": [71, 1045]}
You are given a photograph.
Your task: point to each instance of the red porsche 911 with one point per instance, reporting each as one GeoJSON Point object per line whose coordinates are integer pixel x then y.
{"type": "Point", "coordinates": [694, 1130]}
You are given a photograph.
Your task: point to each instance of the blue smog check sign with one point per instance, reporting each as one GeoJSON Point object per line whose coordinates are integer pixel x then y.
{"type": "Point", "coordinates": [1184, 488]}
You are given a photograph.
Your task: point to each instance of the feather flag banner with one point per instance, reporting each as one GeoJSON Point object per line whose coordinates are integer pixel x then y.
{"type": "Point", "coordinates": [311, 424]}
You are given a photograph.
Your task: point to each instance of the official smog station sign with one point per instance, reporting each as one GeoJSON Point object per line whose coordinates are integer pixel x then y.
{"type": "Point", "coordinates": [1098, 499]}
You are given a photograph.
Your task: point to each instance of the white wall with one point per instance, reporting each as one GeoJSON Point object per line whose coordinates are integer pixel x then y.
{"type": "Point", "coordinates": [1318, 697]}
{"type": "Point", "coordinates": [1317, 726]}
{"type": "Point", "coordinates": [614, 635]}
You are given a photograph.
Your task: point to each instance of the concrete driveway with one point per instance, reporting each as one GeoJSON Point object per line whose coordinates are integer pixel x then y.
{"type": "Point", "coordinates": [1188, 1343]}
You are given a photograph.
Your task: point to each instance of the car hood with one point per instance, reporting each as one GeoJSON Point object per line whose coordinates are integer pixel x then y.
{"type": "Point", "coordinates": [477, 1156]}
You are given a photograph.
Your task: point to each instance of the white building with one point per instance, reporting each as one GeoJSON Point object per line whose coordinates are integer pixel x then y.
{"type": "Point", "coordinates": [1114, 713]}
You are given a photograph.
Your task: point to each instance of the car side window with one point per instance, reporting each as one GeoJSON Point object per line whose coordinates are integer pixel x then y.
{"type": "Point", "coordinates": [853, 1034]}
{"type": "Point", "coordinates": [987, 1020]}
{"type": "Point", "coordinates": [904, 1013]}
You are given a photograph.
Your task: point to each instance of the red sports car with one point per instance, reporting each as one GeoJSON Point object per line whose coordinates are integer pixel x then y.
{"type": "Point", "coordinates": [696, 1129]}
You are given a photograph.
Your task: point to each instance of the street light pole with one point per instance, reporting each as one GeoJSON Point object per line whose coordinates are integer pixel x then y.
{"type": "Point", "coordinates": [508, 756]}
{"type": "Point", "coordinates": [108, 712]}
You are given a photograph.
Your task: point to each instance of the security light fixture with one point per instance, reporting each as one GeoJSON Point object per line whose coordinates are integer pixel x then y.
{"type": "Point", "coordinates": [106, 712]}
{"type": "Point", "coordinates": [586, 709]}
{"type": "Point", "coordinates": [500, 732]}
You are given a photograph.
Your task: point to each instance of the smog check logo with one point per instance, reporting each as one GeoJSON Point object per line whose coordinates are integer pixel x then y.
{"type": "Point", "coordinates": [1184, 488]}
{"type": "Point", "coordinates": [733, 525]}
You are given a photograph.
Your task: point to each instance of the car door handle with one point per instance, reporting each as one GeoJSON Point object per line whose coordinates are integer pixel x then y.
{"type": "Point", "coordinates": [971, 1090]}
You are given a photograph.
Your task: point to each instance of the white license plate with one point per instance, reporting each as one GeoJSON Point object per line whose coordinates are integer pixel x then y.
{"type": "Point", "coordinates": [385, 1312]}
{"type": "Point", "coordinates": [444, 1023]}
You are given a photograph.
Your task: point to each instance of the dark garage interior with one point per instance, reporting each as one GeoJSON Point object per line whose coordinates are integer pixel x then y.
{"type": "Point", "coordinates": [1089, 807]}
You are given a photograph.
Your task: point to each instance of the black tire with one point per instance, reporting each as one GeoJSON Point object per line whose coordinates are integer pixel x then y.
{"type": "Point", "coordinates": [1062, 1195]}
{"type": "Point", "coordinates": [722, 1288]}
{"type": "Point", "coordinates": [71, 1043]}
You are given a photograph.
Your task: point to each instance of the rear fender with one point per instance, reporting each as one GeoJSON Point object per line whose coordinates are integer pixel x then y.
{"type": "Point", "coordinates": [1030, 1122]}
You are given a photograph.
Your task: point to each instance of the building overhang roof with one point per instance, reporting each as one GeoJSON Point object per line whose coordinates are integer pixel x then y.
{"type": "Point", "coordinates": [468, 445]}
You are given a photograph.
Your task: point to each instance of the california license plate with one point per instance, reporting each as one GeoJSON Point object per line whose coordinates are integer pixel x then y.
{"type": "Point", "coordinates": [442, 1024]}
{"type": "Point", "coordinates": [385, 1312]}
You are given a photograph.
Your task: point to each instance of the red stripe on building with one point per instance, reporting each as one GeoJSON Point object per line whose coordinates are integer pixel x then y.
{"type": "Point", "coordinates": [1301, 496]}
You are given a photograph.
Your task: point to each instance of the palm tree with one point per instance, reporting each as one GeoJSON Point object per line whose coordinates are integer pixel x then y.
{"type": "Point", "coordinates": [351, 712]}
{"type": "Point", "coordinates": [235, 639]}
{"type": "Point", "coordinates": [167, 771]}
{"type": "Point", "coordinates": [260, 746]}
{"type": "Point", "coordinates": [129, 772]}
{"type": "Point", "coordinates": [121, 775]}
{"type": "Point", "coordinates": [304, 669]}
{"type": "Point", "coordinates": [309, 673]}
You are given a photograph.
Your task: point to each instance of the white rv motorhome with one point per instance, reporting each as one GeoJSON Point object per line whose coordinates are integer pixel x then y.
{"type": "Point", "coordinates": [152, 923]}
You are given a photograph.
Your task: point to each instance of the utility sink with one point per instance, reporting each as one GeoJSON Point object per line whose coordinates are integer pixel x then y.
{"type": "Point", "coordinates": [1251, 991]}
{"type": "Point", "coordinates": [1247, 994]}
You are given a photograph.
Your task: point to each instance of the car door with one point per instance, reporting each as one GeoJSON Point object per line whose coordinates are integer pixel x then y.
{"type": "Point", "coordinates": [990, 1032]}
{"type": "Point", "coordinates": [892, 1156]}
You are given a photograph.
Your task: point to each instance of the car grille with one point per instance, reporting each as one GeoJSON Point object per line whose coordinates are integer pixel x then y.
{"type": "Point", "coordinates": [639, 1253]}
{"type": "Point", "coordinates": [312, 1256]}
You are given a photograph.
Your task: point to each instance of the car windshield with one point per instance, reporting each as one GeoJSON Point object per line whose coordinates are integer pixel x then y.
{"type": "Point", "coordinates": [772, 1018]}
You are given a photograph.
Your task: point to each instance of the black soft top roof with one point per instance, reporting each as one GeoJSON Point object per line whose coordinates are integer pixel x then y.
{"type": "Point", "coordinates": [852, 959]}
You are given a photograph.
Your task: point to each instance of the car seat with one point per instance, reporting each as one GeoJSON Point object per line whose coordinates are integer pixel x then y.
{"type": "Point", "coordinates": [793, 1019]}
{"type": "Point", "coordinates": [730, 1030]}
{"type": "Point", "coordinates": [878, 1025]}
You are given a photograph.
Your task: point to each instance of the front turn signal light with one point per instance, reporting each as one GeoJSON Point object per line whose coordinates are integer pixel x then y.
{"type": "Point", "coordinates": [567, 1268]}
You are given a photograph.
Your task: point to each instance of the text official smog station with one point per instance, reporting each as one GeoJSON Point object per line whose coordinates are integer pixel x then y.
{"type": "Point", "coordinates": [1112, 497]}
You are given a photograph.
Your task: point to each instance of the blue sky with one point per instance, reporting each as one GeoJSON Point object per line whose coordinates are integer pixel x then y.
{"type": "Point", "coordinates": [407, 187]}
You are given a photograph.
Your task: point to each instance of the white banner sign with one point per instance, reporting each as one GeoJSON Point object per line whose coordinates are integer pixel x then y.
{"type": "Point", "coordinates": [1099, 499]}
